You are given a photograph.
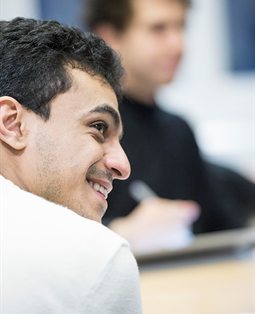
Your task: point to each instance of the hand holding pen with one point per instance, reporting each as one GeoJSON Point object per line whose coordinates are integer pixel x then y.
{"type": "Point", "coordinates": [156, 223]}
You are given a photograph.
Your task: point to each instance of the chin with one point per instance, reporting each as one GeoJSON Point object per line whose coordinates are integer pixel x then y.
{"type": "Point", "coordinates": [95, 214]}
{"type": "Point", "coordinates": [95, 218]}
{"type": "Point", "coordinates": [165, 80]}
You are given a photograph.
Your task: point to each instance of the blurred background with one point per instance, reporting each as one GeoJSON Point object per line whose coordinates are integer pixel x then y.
{"type": "Point", "coordinates": [215, 92]}
{"type": "Point", "coordinates": [215, 87]}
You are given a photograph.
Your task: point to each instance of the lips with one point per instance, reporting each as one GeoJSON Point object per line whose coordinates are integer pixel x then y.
{"type": "Point", "coordinates": [103, 188]}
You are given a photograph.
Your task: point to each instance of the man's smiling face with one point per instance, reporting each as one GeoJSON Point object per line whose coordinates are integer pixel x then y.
{"type": "Point", "coordinates": [73, 157]}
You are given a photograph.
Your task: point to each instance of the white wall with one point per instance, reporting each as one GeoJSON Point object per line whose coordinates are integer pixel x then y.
{"type": "Point", "coordinates": [12, 8]}
{"type": "Point", "coordinates": [219, 105]}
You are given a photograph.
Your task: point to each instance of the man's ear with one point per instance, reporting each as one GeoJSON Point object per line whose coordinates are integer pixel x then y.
{"type": "Point", "coordinates": [11, 124]}
{"type": "Point", "coordinates": [109, 34]}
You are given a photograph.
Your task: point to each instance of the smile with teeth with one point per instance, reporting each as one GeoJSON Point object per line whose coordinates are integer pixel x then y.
{"type": "Point", "coordinates": [99, 188]}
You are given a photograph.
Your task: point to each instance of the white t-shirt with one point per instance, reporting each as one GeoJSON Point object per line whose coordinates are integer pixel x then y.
{"type": "Point", "coordinates": [55, 262]}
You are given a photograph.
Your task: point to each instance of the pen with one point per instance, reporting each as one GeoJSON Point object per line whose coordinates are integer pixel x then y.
{"type": "Point", "coordinates": [139, 191]}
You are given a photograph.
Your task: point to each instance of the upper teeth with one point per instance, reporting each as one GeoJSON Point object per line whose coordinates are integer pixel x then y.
{"type": "Point", "coordinates": [99, 188]}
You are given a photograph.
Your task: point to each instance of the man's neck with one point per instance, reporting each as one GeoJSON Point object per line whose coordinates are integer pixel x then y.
{"type": "Point", "coordinates": [140, 92]}
{"type": "Point", "coordinates": [10, 169]}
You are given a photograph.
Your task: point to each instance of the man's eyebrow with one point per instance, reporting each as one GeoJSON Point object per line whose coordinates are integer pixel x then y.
{"type": "Point", "coordinates": [110, 111]}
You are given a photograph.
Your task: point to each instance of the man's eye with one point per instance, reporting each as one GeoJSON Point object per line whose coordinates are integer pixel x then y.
{"type": "Point", "coordinates": [101, 127]}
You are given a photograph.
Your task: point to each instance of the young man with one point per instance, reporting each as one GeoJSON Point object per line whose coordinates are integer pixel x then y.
{"type": "Point", "coordinates": [148, 34]}
{"type": "Point", "coordinates": [60, 129]}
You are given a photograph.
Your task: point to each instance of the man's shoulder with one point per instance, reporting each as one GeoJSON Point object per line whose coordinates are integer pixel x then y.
{"type": "Point", "coordinates": [70, 256]}
{"type": "Point", "coordinates": [171, 116]}
{"type": "Point", "coordinates": [130, 107]}
{"type": "Point", "coordinates": [31, 214]}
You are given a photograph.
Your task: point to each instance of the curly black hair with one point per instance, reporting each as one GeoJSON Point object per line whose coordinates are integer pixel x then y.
{"type": "Point", "coordinates": [35, 57]}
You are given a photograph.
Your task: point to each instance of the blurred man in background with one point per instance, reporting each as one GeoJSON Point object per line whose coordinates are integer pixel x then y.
{"type": "Point", "coordinates": [169, 187]}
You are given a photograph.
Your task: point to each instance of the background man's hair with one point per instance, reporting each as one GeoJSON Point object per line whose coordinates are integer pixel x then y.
{"type": "Point", "coordinates": [117, 13]}
{"type": "Point", "coordinates": [36, 58]}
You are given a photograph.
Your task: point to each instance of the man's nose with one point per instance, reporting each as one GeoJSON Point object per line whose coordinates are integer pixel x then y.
{"type": "Point", "coordinates": [117, 162]}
